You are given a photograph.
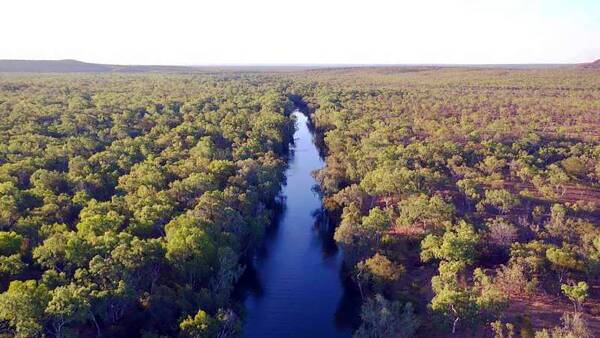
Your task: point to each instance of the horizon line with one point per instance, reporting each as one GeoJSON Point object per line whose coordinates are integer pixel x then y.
{"type": "Point", "coordinates": [325, 64]}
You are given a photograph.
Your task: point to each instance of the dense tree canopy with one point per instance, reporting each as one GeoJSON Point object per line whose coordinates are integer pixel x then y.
{"type": "Point", "coordinates": [127, 202]}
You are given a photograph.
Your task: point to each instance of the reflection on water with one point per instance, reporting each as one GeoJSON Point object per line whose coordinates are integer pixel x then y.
{"type": "Point", "coordinates": [295, 286]}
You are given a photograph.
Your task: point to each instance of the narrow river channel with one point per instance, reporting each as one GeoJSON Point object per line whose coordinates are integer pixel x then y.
{"type": "Point", "coordinates": [294, 286]}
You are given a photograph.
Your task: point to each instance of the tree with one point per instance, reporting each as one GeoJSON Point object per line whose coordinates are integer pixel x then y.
{"type": "Point", "coordinates": [558, 179]}
{"type": "Point", "coordinates": [110, 295]}
{"type": "Point", "coordinates": [46, 181]}
{"type": "Point", "coordinates": [348, 228]}
{"type": "Point", "coordinates": [96, 225]}
{"type": "Point", "coordinates": [10, 243]}
{"type": "Point", "coordinates": [490, 300]}
{"type": "Point", "coordinates": [23, 305]}
{"type": "Point", "coordinates": [190, 250]}
{"type": "Point", "coordinates": [229, 324]}
{"type": "Point", "coordinates": [382, 318]}
{"type": "Point", "coordinates": [68, 304]}
{"type": "Point", "coordinates": [456, 302]}
{"type": "Point", "coordinates": [452, 302]}
{"type": "Point", "coordinates": [351, 194]}
{"type": "Point", "coordinates": [151, 210]}
{"type": "Point", "coordinates": [388, 181]}
{"type": "Point", "coordinates": [492, 164]}
{"type": "Point", "coordinates": [574, 166]}
{"type": "Point", "coordinates": [139, 261]}
{"type": "Point", "coordinates": [147, 174]}
{"type": "Point", "coordinates": [63, 251]}
{"type": "Point", "coordinates": [214, 210]}
{"type": "Point", "coordinates": [187, 190]}
{"type": "Point", "coordinates": [349, 236]}
{"type": "Point", "coordinates": [424, 211]}
{"type": "Point", "coordinates": [557, 226]}
{"type": "Point", "coordinates": [378, 272]}
{"type": "Point", "coordinates": [375, 222]}
{"type": "Point", "coordinates": [10, 198]}
{"type": "Point", "coordinates": [456, 245]}
{"type": "Point", "coordinates": [202, 325]}
{"type": "Point", "coordinates": [577, 293]}
{"type": "Point", "coordinates": [471, 188]}
{"type": "Point", "coordinates": [221, 170]}
{"type": "Point", "coordinates": [531, 256]}
{"type": "Point", "coordinates": [562, 260]}
{"type": "Point", "coordinates": [11, 266]}
{"type": "Point", "coordinates": [500, 199]}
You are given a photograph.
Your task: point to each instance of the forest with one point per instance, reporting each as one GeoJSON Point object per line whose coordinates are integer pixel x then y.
{"type": "Point", "coordinates": [127, 202]}
{"type": "Point", "coordinates": [466, 200]}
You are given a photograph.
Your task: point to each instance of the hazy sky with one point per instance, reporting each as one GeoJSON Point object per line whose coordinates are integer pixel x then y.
{"type": "Point", "coordinates": [301, 32]}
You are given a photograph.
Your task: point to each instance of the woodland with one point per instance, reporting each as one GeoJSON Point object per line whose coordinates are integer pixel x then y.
{"type": "Point", "coordinates": [467, 200]}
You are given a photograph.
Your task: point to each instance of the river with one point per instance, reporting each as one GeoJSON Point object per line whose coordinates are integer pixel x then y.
{"type": "Point", "coordinates": [294, 286]}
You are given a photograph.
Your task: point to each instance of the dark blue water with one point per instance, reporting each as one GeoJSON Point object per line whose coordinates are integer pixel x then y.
{"type": "Point", "coordinates": [295, 287]}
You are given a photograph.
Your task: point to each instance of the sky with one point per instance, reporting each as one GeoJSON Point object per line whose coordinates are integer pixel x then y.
{"type": "Point", "coordinates": [228, 32]}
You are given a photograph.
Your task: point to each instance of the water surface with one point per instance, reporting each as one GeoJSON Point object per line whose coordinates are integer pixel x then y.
{"type": "Point", "coordinates": [294, 286]}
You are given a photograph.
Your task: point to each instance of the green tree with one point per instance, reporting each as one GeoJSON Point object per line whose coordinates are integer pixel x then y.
{"type": "Point", "coordinates": [10, 243]}
{"type": "Point", "coordinates": [456, 245]}
{"type": "Point", "coordinates": [577, 293]}
{"type": "Point", "coordinates": [452, 301]}
{"type": "Point", "coordinates": [10, 198]}
{"type": "Point", "coordinates": [11, 266]}
{"type": "Point", "coordinates": [96, 225]}
{"type": "Point", "coordinates": [68, 304]}
{"type": "Point", "coordinates": [202, 325]}
{"type": "Point", "coordinates": [500, 199]}
{"type": "Point", "coordinates": [63, 251]}
{"type": "Point", "coordinates": [378, 272]}
{"type": "Point", "coordinates": [562, 261]}
{"type": "Point", "coordinates": [375, 222]}
{"type": "Point", "coordinates": [429, 213]}
{"type": "Point", "coordinates": [23, 305]}
{"type": "Point", "coordinates": [348, 229]}
{"type": "Point", "coordinates": [190, 250]}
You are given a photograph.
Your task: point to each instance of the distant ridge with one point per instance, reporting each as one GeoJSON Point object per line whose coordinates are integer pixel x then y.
{"type": "Point", "coordinates": [50, 66]}
{"type": "Point", "coordinates": [593, 65]}
{"type": "Point", "coordinates": [74, 66]}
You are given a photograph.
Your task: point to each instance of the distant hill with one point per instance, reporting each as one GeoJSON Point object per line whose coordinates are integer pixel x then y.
{"type": "Point", "coordinates": [51, 66]}
{"type": "Point", "coordinates": [74, 66]}
{"type": "Point", "coordinates": [593, 65]}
